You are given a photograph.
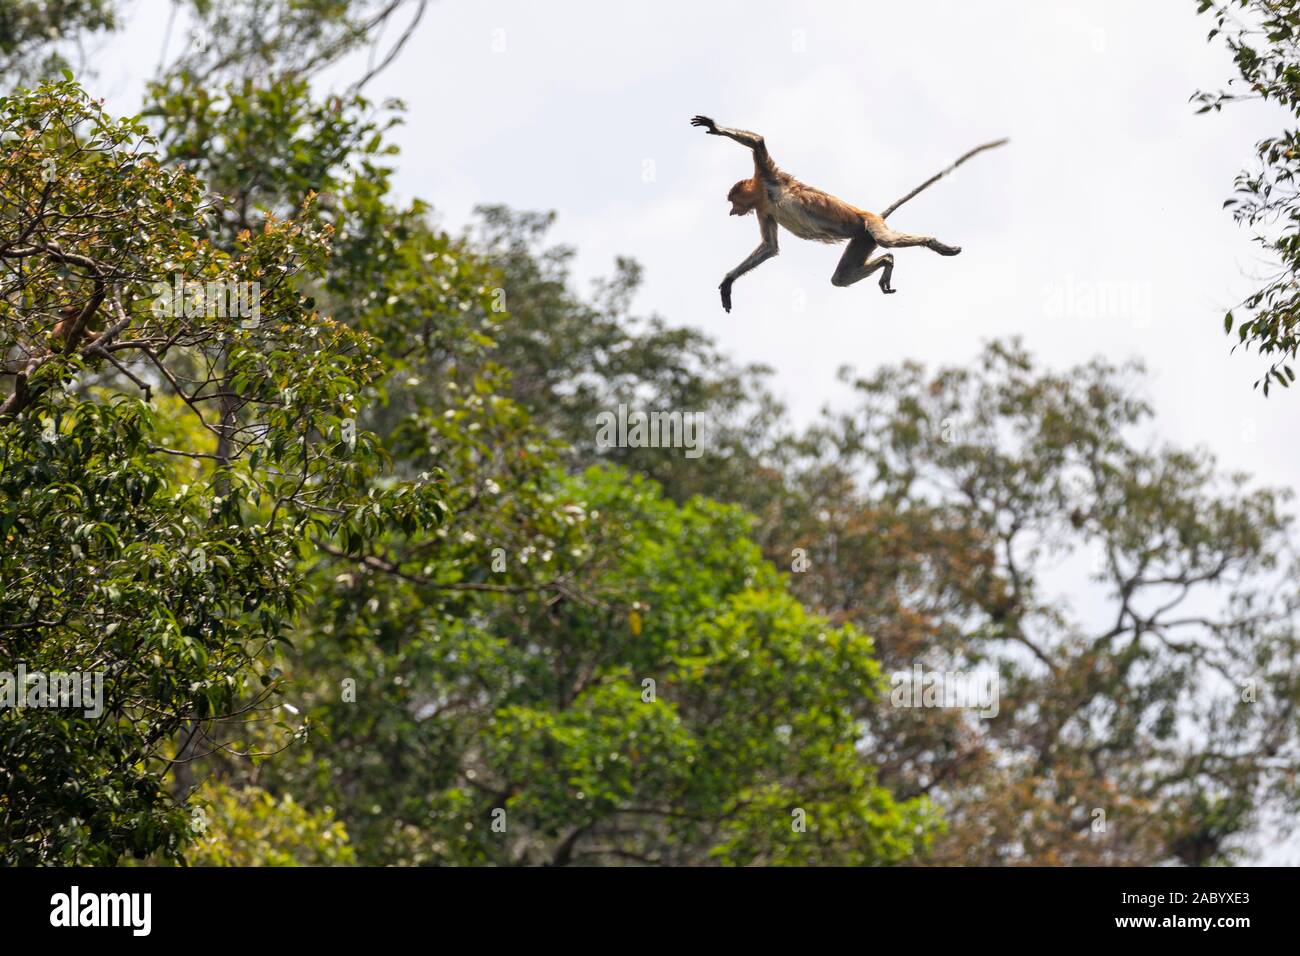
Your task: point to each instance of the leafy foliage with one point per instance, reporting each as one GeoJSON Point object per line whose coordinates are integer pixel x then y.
{"type": "Point", "coordinates": [31, 32]}
{"type": "Point", "coordinates": [362, 588]}
{"type": "Point", "coordinates": [163, 556]}
{"type": "Point", "coordinates": [1164, 694]}
{"type": "Point", "coordinates": [246, 826]}
{"type": "Point", "coordinates": [942, 513]}
{"type": "Point", "coordinates": [1264, 38]}
{"type": "Point", "coordinates": [541, 708]}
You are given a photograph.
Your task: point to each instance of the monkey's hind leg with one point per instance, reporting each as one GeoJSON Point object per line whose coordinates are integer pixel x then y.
{"type": "Point", "coordinates": [856, 264]}
{"type": "Point", "coordinates": [897, 240]}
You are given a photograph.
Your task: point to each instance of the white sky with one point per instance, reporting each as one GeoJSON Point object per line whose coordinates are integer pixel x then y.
{"type": "Point", "coordinates": [1111, 183]}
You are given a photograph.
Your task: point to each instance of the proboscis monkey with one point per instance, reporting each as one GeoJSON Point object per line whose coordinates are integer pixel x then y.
{"type": "Point", "coordinates": [781, 200]}
{"type": "Point", "coordinates": [63, 329]}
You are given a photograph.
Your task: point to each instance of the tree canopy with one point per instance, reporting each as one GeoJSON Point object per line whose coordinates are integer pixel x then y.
{"type": "Point", "coordinates": [313, 486]}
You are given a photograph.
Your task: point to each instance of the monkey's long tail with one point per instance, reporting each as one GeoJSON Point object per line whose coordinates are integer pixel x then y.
{"type": "Point", "coordinates": [938, 176]}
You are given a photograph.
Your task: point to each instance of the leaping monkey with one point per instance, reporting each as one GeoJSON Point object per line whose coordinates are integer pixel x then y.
{"type": "Point", "coordinates": [781, 200]}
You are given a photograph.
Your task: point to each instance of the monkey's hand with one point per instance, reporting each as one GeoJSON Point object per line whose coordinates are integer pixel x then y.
{"type": "Point", "coordinates": [726, 293]}
{"type": "Point", "coordinates": [708, 124]}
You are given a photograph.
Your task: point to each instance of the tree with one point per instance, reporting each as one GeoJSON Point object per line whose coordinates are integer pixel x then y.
{"type": "Point", "coordinates": [246, 39]}
{"type": "Point", "coordinates": [664, 700]}
{"type": "Point", "coordinates": [493, 655]}
{"type": "Point", "coordinates": [929, 515]}
{"type": "Point", "coordinates": [1161, 701]}
{"type": "Point", "coordinates": [164, 465]}
{"type": "Point", "coordinates": [246, 826]}
{"type": "Point", "coordinates": [376, 461]}
{"type": "Point", "coordinates": [32, 34]}
{"type": "Point", "coordinates": [365, 588]}
{"type": "Point", "coordinates": [270, 42]}
{"type": "Point", "coordinates": [1263, 36]}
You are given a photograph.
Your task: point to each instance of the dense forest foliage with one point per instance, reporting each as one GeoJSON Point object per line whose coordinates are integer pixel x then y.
{"type": "Point", "coordinates": [363, 586]}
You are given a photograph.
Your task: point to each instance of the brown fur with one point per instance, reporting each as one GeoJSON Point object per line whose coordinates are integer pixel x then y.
{"type": "Point", "coordinates": [779, 199]}
{"type": "Point", "coordinates": [66, 325]}
{"type": "Point", "coordinates": [805, 211]}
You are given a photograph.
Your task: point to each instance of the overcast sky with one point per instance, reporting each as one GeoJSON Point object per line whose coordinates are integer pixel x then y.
{"type": "Point", "coordinates": [1098, 230]}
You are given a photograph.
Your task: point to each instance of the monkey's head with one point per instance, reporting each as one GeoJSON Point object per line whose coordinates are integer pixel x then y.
{"type": "Point", "coordinates": [744, 197]}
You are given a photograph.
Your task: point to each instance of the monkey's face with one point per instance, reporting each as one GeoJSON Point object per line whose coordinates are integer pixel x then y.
{"type": "Point", "coordinates": [743, 197]}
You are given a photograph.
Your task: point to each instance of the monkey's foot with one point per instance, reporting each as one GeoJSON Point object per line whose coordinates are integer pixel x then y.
{"type": "Point", "coordinates": [725, 289]}
{"type": "Point", "coordinates": [949, 251]}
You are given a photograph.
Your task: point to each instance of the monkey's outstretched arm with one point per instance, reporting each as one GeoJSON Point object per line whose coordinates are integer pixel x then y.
{"type": "Point", "coordinates": [766, 250]}
{"type": "Point", "coordinates": [745, 138]}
